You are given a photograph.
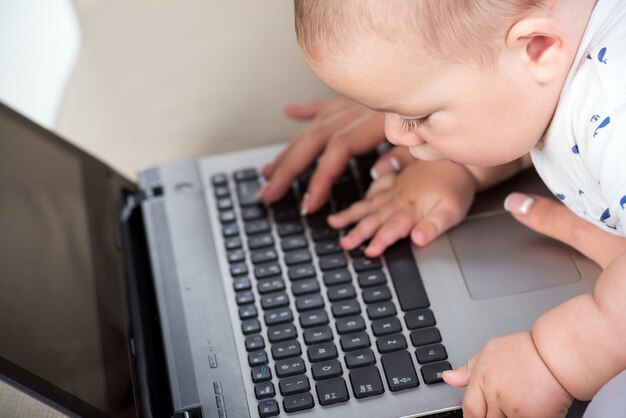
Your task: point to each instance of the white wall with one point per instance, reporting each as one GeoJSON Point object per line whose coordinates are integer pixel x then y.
{"type": "Point", "coordinates": [39, 41]}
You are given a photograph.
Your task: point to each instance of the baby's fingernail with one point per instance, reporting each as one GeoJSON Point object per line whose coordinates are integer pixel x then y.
{"type": "Point", "coordinates": [518, 203]}
{"type": "Point", "coordinates": [419, 237]}
{"type": "Point", "coordinates": [261, 191]}
{"type": "Point", "coordinates": [303, 207]}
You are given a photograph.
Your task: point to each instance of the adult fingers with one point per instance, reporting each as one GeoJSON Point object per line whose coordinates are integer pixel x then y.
{"type": "Point", "coordinates": [435, 222]}
{"type": "Point", "coordinates": [553, 219]}
{"type": "Point", "coordinates": [391, 162]}
{"type": "Point", "coordinates": [359, 136]}
{"type": "Point", "coordinates": [396, 227]}
{"type": "Point", "coordinates": [309, 110]}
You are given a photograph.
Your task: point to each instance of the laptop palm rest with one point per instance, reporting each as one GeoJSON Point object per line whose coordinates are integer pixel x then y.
{"type": "Point", "coordinates": [499, 257]}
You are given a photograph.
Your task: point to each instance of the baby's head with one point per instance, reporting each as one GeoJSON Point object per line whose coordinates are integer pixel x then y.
{"type": "Point", "coordinates": [474, 81]}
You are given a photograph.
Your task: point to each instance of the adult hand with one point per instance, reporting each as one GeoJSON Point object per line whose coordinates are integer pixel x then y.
{"type": "Point", "coordinates": [555, 220]}
{"type": "Point", "coordinates": [338, 130]}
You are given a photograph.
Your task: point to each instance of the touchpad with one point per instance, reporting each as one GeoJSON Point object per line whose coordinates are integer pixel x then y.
{"type": "Point", "coordinates": [498, 256]}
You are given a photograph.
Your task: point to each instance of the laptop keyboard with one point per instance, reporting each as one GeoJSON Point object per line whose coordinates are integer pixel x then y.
{"type": "Point", "coordinates": [306, 305]}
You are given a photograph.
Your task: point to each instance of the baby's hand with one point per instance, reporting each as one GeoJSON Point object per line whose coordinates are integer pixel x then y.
{"type": "Point", "coordinates": [424, 200]}
{"type": "Point", "coordinates": [508, 378]}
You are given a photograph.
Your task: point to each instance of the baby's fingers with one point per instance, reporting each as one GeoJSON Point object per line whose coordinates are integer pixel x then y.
{"type": "Point", "coordinates": [434, 223]}
{"type": "Point", "coordinates": [366, 228]}
{"type": "Point", "coordinates": [396, 227]}
{"type": "Point", "coordinates": [355, 212]}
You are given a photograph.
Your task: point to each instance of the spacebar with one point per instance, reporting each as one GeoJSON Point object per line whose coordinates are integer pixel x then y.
{"type": "Point", "coordinates": [405, 276]}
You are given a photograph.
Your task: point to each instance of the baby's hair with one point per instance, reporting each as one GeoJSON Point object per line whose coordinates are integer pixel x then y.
{"type": "Point", "coordinates": [455, 30]}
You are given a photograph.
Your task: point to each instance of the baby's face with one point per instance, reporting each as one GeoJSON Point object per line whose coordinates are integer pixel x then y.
{"type": "Point", "coordinates": [463, 113]}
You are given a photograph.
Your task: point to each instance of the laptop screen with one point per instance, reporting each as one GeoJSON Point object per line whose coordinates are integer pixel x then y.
{"type": "Point", "coordinates": [63, 313]}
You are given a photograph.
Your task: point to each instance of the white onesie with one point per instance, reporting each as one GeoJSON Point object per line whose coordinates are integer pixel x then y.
{"type": "Point", "coordinates": [582, 156]}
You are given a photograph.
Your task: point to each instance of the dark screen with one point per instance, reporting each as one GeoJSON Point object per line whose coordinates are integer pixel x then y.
{"type": "Point", "coordinates": [63, 315]}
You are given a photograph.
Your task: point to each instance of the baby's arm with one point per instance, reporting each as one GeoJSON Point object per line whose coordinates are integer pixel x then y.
{"type": "Point", "coordinates": [423, 201]}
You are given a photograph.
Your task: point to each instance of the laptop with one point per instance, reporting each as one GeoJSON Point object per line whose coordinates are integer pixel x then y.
{"type": "Point", "coordinates": [183, 296]}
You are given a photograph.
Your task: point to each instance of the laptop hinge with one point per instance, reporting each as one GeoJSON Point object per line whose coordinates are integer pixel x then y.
{"type": "Point", "coordinates": [134, 200]}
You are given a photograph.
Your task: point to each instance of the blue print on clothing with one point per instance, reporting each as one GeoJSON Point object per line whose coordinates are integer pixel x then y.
{"type": "Point", "coordinates": [560, 196]}
{"type": "Point", "coordinates": [603, 124]}
{"type": "Point", "coordinates": [606, 215]}
{"type": "Point", "coordinates": [601, 55]}
{"type": "Point", "coordinates": [622, 202]}
{"type": "Point", "coordinates": [595, 118]}
{"type": "Point", "coordinates": [580, 193]}
{"type": "Point", "coordinates": [575, 149]}
{"type": "Point", "coordinates": [589, 57]}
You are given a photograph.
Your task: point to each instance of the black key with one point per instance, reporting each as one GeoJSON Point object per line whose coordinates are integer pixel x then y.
{"type": "Point", "coordinates": [354, 341]}
{"type": "Point", "coordinates": [345, 308]}
{"type": "Point", "coordinates": [241, 283]}
{"type": "Point", "coordinates": [301, 272]}
{"type": "Point", "coordinates": [327, 247]}
{"type": "Point", "coordinates": [399, 370]}
{"type": "Point", "coordinates": [318, 219]}
{"type": "Point", "coordinates": [289, 228]}
{"type": "Point", "coordinates": [322, 352]}
{"type": "Point", "coordinates": [381, 310]}
{"type": "Point", "coordinates": [257, 358]}
{"type": "Point", "coordinates": [278, 316]}
{"type": "Point", "coordinates": [359, 251]}
{"type": "Point", "coordinates": [425, 336]}
{"type": "Point", "coordinates": [298, 402]}
{"type": "Point", "coordinates": [286, 349]}
{"type": "Point", "coordinates": [360, 358]}
{"type": "Point", "coordinates": [268, 408]}
{"type": "Point", "coordinates": [238, 269]}
{"type": "Point", "coordinates": [297, 257]}
{"type": "Point", "coordinates": [326, 370]}
{"type": "Point", "coordinates": [350, 324]}
{"type": "Point", "coordinates": [293, 242]}
{"type": "Point", "coordinates": [313, 318]}
{"type": "Point", "coordinates": [251, 213]}
{"type": "Point", "coordinates": [286, 213]}
{"type": "Point", "coordinates": [247, 312]}
{"type": "Point", "coordinates": [221, 191]}
{"type": "Point", "coordinates": [280, 333]}
{"type": "Point", "coordinates": [258, 226]}
{"type": "Point", "coordinates": [219, 179]}
{"type": "Point", "coordinates": [306, 302]}
{"type": "Point", "coordinates": [274, 284]}
{"type": "Point", "coordinates": [332, 391]}
{"type": "Point", "coordinates": [386, 326]}
{"type": "Point", "coordinates": [332, 262]}
{"type": "Point", "coordinates": [260, 241]}
{"type": "Point", "coordinates": [323, 233]}
{"type": "Point", "coordinates": [274, 300]}
{"type": "Point", "coordinates": [227, 216]}
{"type": "Point", "coordinates": [363, 264]}
{"type": "Point", "coordinates": [267, 270]}
{"type": "Point", "coordinates": [230, 230]}
{"type": "Point", "coordinates": [318, 335]}
{"type": "Point", "coordinates": [261, 374]}
{"type": "Point", "coordinates": [389, 343]}
{"type": "Point", "coordinates": [340, 292]}
{"type": "Point", "coordinates": [247, 193]}
{"type": "Point", "coordinates": [293, 385]}
{"type": "Point", "coordinates": [334, 277]}
{"type": "Point", "coordinates": [421, 318]}
{"type": "Point", "coordinates": [432, 372]}
{"type": "Point", "coordinates": [405, 276]}
{"type": "Point", "coordinates": [250, 326]}
{"type": "Point", "coordinates": [376, 294]}
{"type": "Point", "coordinates": [245, 174]}
{"type": "Point", "coordinates": [224, 203]}
{"type": "Point", "coordinates": [255, 342]}
{"type": "Point", "coordinates": [371, 278]}
{"type": "Point", "coordinates": [263, 256]}
{"type": "Point", "coordinates": [366, 382]}
{"type": "Point", "coordinates": [289, 367]}
{"type": "Point", "coordinates": [431, 353]}
{"type": "Point", "coordinates": [302, 287]}
{"type": "Point", "coordinates": [244, 297]}
{"type": "Point", "coordinates": [232, 243]}
{"type": "Point", "coordinates": [264, 390]}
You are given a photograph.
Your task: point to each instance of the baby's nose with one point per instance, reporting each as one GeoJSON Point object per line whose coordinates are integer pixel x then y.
{"type": "Point", "coordinates": [398, 135]}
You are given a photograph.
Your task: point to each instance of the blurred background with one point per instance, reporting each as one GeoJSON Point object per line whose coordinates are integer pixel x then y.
{"type": "Point", "coordinates": [138, 82]}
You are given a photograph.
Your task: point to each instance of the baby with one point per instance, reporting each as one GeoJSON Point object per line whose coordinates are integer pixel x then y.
{"type": "Point", "coordinates": [476, 89]}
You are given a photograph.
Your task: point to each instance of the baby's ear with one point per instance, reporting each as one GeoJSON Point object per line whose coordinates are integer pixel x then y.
{"type": "Point", "coordinates": [540, 43]}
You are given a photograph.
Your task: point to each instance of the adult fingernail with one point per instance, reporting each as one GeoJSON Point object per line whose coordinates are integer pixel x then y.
{"type": "Point", "coordinates": [385, 166]}
{"type": "Point", "coordinates": [518, 203]}
{"type": "Point", "coordinates": [303, 207]}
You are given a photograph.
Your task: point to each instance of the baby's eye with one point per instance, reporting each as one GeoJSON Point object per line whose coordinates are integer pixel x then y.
{"type": "Point", "coordinates": [412, 124]}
